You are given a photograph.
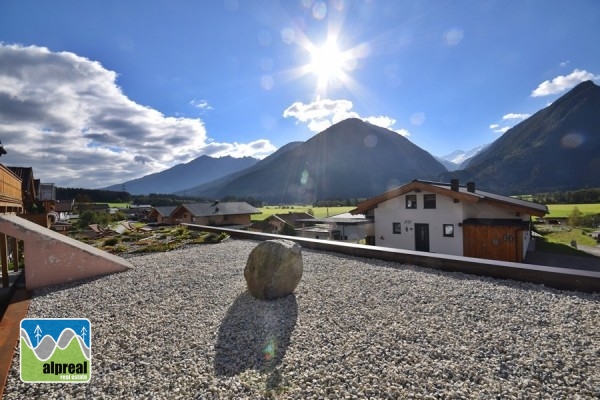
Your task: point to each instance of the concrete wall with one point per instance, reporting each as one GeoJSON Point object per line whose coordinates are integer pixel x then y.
{"type": "Point", "coordinates": [559, 278]}
{"type": "Point", "coordinates": [52, 258]}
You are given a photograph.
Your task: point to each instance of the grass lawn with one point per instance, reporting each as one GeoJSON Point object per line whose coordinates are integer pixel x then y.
{"type": "Point", "coordinates": [558, 240]}
{"type": "Point", "coordinates": [564, 210]}
{"type": "Point", "coordinates": [319, 212]}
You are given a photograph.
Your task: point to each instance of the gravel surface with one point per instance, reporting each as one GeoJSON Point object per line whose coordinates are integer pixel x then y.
{"type": "Point", "coordinates": [181, 325]}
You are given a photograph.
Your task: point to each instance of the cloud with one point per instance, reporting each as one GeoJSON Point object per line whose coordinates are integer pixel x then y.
{"type": "Point", "coordinates": [65, 116]}
{"type": "Point", "coordinates": [321, 114]}
{"type": "Point", "coordinates": [562, 83]}
{"type": "Point", "coordinates": [453, 36]}
{"type": "Point", "coordinates": [201, 105]}
{"type": "Point", "coordinates": [508, 121]}
{"type": "Point", "coordinates": [516, 116]}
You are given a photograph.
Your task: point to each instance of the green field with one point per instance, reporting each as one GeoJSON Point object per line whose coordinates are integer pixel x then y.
{"type": "Point", "coordinates": [318, 212]}
{"type": "Point", "coordinates": [564, 210]}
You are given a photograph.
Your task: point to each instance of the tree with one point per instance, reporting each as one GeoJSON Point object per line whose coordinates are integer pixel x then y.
{"type": "Point", "coordinates": [575, 217]}
{"type": "Point", "coordinates": [288, 230]}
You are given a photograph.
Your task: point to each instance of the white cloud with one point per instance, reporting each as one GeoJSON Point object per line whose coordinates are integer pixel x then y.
{"type": "Point", "coordinates": [321, 114]}
{"type": "Point", "coordinates": [511, 119]}
{"type": "Point", "coordinates": [65, 116]}
{"type": "Point", "coordinates": [499, 129]}
{"type": "Point", "coordinates": [562, 83]}
{"type": "Point", "coordinates": [516, 116]}
{"type": "Point", "coordinates": [453, 36]}
{"type": "Point", "coordinates": [200, 104]}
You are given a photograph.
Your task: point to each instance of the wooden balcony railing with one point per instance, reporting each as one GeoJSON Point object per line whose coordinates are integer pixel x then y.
{"type": "Point", "coordinates": [11, 197]}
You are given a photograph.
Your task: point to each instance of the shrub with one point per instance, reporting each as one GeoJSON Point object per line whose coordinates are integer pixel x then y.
{"type": "Point", "coordinates": [113, 241]}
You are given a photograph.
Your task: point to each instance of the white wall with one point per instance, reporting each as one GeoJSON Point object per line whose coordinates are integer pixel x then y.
{"type": "Point", "coordinates": [354, 233]}
{"type": "Point", "coordinates": [394, 210]}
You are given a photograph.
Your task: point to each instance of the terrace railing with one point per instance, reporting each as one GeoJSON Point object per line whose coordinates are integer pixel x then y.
{"type": "Point", "coordinates": [11, 202]}
{"type": "Point", "coordinates": [11, 196]}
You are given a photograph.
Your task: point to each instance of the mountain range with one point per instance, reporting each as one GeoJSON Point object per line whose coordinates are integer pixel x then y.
{"type": "Point", "coordinates": [459, 159]}
{"type": "Point", "coordinates": [351, 159]}
{"type": "Point", "coordinates": [557, 148]}
{"type": "Point", "coordinates": [182, 176]}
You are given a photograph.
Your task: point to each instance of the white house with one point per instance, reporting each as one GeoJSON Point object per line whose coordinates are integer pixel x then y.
{"type": "Point", "coordinates": [343, 227]}
{"type": "Point", "coordinates": [451, 219]}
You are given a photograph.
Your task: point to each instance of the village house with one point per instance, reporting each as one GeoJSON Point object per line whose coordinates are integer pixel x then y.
{"type": "Point", "coordinates": [233, 214]}
{"type": "Point", "coordinates": [344, 227]}
{"type": "Point", "coordinates": [162, 215]}
{"type": "Point", "coordinates": [451, 219]}
{"type": "Point", "coordinates": [277, 222]}
{"type": "Point", "coordinates": [64, 209]}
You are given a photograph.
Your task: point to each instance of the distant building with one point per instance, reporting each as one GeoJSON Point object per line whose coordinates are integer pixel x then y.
{"type": "Point", "coordinates": [344, 227]}
{"type": "Point", "coordinates": [232, 214]}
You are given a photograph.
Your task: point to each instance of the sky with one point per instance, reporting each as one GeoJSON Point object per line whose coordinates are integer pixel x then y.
{"type": "Point", "coordinates": [99, 92]}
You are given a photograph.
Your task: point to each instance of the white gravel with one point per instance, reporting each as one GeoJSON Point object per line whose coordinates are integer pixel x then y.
{"type": "Point", "coordinates": [181, 325]}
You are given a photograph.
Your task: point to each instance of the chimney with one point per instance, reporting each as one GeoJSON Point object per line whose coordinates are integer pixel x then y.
{"type": "Point", "coordinates": [471, 187]}
{"type": "Point", "coordinates": [454, 184]}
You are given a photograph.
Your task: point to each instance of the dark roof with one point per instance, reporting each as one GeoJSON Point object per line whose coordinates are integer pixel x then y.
{"type": "Point", "coordinates": [224, 208]}
{"type": "Point", "coordinates": [63, 205]}
{"type": "Point", "coordinates": [292, 217]}
{"type": "Point", "coordinates": [496, 222]}
{"type": "Point", "coordinates": [261, 225]}
{"type": "Point", "coordinates": [165, 210]}
{"type": "Point", "coordinates": [475, 196]}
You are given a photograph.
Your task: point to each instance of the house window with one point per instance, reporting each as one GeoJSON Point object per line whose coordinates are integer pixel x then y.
{"type": "Point", "coordinates": [429, 201]}
{"type": "Point", "coordinates": [411, 201]}
{"type": "Point", "coordinates": [397, 227]}
{"type": "Point", "coordinates": [448, 230]}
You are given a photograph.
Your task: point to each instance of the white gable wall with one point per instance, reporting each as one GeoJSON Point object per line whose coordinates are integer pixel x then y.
{"type": "Point", "coordinates": [394, 210]}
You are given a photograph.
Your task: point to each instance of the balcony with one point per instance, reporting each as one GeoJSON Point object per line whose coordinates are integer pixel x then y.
{"type": "Point", "coordinates": [11, 198]}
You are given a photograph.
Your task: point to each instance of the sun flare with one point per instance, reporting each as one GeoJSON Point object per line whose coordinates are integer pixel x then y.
{"type": "Point", "coordinates": [328, 62]}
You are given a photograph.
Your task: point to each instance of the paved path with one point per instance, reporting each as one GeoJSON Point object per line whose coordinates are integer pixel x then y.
{"type": "Point", "coordinates": [566, 261]}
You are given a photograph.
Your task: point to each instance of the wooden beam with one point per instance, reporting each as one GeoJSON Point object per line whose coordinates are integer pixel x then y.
{"type": "Point", "coordinates": [4, 259]}
{"type": "Point", "coordinates": [10, 327]}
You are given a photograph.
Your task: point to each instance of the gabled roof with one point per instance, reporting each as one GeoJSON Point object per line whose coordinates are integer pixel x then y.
{"type": "Point", "coordinates": [291, 217]}
{"type": "Point", "coordinates": [444, 189]}
{"type": "Point", "coordinates": [224, 208]}
{"type": "Point", "coordinates": [164, 211]}
{"type": "Point", "coordinates": [63, 205]}
{"type": "Point", "coordinates": [262, 225]}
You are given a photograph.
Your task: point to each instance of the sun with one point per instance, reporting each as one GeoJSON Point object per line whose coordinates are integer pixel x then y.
{"type": "Point", "coordinates": [327, 61]}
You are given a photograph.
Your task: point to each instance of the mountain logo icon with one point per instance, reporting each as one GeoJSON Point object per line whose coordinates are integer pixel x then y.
{"type": "Point", "coordinates": [56, 350]}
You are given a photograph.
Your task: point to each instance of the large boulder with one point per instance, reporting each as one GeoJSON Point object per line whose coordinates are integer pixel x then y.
{"type": "Point", "coordinates": [274, 269]}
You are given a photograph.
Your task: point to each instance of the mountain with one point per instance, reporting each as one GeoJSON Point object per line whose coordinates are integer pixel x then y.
{"type": "Point", "coordinates": [181, 176]}
{"type": "Point", "coordinates": [351, 159]}
{"type": "Point", "coordinates": [459, 159]}
{"type": "Point", "coordinates": [557, 148]}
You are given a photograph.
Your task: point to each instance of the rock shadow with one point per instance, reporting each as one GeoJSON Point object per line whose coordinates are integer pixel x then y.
{"type": "Point", "coordinates": [255, 334]}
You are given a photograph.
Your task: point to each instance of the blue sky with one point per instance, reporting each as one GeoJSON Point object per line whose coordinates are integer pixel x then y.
{"type": "Point", "coordinates": [94, 93]}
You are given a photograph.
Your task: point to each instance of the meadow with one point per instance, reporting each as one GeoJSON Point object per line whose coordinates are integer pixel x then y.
{"type": "Point", "coordinates": [317, 212]}
{"type": "Point", "coordinates": [564, 210]}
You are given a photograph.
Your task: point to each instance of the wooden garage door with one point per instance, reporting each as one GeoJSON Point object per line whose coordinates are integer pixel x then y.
{"type": "Point", "coordinates": [503, 243]}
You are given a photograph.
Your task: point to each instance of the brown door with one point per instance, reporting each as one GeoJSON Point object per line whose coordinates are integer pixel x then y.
{"type": "Point", "coordinates": [493, 242]}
